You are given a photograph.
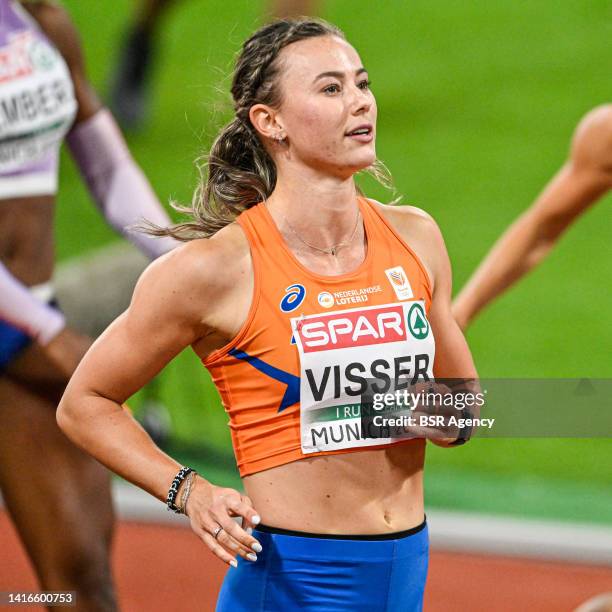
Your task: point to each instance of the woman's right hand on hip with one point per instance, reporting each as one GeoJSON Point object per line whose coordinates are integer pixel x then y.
{"type": "Point", "coordinates": [211, 511]}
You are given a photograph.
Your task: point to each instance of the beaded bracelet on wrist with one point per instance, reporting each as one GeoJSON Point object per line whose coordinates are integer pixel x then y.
{"type": "Point", "coordinates": [174, 487]}
{"type": "Point", "coordinates": [186, 491]}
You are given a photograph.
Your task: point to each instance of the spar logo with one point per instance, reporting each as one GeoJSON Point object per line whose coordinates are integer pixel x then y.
{"type": "Point", "coordinates": [352, 328]}
{"type": "Point", "coordinates": [417, 322]}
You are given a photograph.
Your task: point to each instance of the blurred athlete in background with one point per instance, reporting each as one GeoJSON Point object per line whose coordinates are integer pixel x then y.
{"type": "Point", "coordinates": [130, 83]}
{"type": "Point", "coordinates": [59, 498]}
{"type": "Point", "coordinates": [584, 178]}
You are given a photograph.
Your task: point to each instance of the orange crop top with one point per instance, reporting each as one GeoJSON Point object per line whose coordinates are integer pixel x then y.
{"type": "Point", "coordinates": [292, 377]}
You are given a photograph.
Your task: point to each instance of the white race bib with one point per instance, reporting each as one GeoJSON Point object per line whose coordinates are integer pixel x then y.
{"type": "Point", "coordinates": [341, 351]}
{"type": "Point", "coordinates": [37, 101]}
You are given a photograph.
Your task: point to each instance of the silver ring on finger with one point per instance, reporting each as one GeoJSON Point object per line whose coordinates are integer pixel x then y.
{"type": "Point", "coordinates": [217, 531]}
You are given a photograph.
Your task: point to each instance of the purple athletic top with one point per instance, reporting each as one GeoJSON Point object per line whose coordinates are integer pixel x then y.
{"type": "Point", "coordinates": [37, 105]}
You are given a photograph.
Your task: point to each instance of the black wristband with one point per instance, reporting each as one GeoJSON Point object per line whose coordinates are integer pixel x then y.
{"type": "Point", "coordinates": [174, 487]}
{"type": "Point", "coordinates": [465, 433]}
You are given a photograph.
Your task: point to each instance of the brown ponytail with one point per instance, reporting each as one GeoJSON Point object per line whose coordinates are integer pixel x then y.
{"type": "Point", "coordinates": [238, 172]}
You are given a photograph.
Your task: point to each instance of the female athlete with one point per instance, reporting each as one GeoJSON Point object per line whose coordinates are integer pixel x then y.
{"type": "Point", "coordinates": [303, 291]}
{"type": "Point", "coordinates": [58, 497]}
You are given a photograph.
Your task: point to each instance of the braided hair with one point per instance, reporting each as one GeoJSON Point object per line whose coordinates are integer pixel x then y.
{"type": "Point", "coordinates": [238, 172]}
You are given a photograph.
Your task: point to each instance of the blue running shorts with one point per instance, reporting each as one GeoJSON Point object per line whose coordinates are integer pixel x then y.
{"type": "Point", "coordinates": [12, 342]}
{"type": "Point", "coordinates": [323, 573]}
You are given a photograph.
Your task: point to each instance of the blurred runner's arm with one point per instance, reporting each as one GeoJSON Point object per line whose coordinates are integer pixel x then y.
{"type": "Point", "coordinates": [21, 309]}
{"type": "Point", "coordinates": [583, 179]}
{"type": "Point", "coordinates": [117, 184]}
{"type": "Point", "coordinates": [168, 312]}
{"type": "Point", "coordinates": [43, 323]}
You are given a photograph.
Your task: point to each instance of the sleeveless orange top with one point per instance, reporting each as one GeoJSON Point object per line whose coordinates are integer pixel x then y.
{"type": "Point", "coordinates": [290, 380]}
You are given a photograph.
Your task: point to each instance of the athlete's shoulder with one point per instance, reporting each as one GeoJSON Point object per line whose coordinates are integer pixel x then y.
{"type": "Point", "coordinates": [421, 232]}
{"type": "Point", "coordinates": [408, 220]}
{"type": "Point", "coordinates": [598, 119]}
{"type": "Point", "coordinates": [54, 20]}
{"type": "Point", "coordinates": [592, 141]}
{"type": "Point", "coordinates": [206, 262]}
{"type": "Point", "coordinates": [196, 274]}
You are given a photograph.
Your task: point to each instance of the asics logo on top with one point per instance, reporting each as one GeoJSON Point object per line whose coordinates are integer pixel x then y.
{"type": "Point", "coordinates": [294, 296]}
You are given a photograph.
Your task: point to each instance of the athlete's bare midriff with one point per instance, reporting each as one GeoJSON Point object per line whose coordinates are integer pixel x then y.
{"type": "Point", "coordinates": [366, 492]}
{"type": "Point", "coordinates": [26, 238]}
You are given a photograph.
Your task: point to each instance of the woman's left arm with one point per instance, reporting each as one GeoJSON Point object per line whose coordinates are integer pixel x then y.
{"type": "Point", "coordinates": [453, 357]}
{"type": "Point", "coordinates": [117, 184]}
